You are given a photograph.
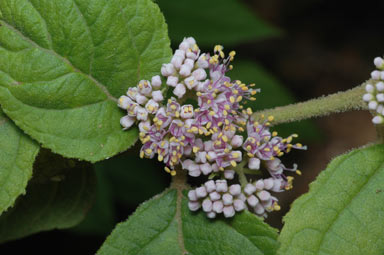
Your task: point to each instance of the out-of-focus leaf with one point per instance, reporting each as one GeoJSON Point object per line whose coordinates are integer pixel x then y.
{"type": "Point", "coordinates": [273, 94]}
{"type": "Point", "coordinates": [343, 212]}
{"type": "Point", "coordinates": [155, 229]}
{"type": "Point", "coordinates": [58, 196]}
{"type": "Point", "coordinates": [17, 154]}
{"type": "Point", "coordinates": [226, 22]}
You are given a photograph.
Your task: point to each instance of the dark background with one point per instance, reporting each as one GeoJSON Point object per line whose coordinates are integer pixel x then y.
{"type": "Point", "coordinates": [325, 47]}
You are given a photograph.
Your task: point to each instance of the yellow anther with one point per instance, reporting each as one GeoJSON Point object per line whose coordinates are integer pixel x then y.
{"type": "Point", "coordinates": [232, 99]}
{"type": "Point", "coordinates": [250, 155]}
{"type": "Point", "coordinates": [233, 163]}
{"type": "Point", "coordinates": [298, 172]}
{"type": "Point", "coordinates": [195, 149]}
{"type": "Point", "coordinates": [299, 145]}
{"type": "Point", "coordinates": [173, 172]}
{"type": "Point", "coordinates": [239, 98]}
{"type": "Point", "coordinates": [148, 151]}
{"type": "Point", "coordinates": [209, 124]}
{"type": "Point", "coordinates": [276, 207]}
{"type": "Point", "coordinates": [274, 133]}
{"type": "Point", "coordinates": [167, 170]}
{"type": "Point", "coordinates": [141, 154]}
{"type": "Point", "coordinates": [271, 118]}
{"type": "Point", "coordinates": [225, 138]}
{"type": "Point", "coordinates": [198, 94]}
{"type": "Point", "coordinates": [211, 113]}
{"type": "Point", "coordinates": [249, 111]}
{"type": "Point", "coordinates": [160, 158]}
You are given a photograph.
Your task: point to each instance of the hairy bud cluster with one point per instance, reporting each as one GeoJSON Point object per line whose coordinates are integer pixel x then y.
{"type": "Point", "coordinates": [216, 136]}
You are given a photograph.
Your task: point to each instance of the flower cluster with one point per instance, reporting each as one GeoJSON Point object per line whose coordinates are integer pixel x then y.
{"type": "Point", "coordinates": [215, 135]}
{"type": "Point", "coordinates": [375, 92]}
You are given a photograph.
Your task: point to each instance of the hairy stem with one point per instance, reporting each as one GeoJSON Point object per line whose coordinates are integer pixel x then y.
{"type": "Point", "coordinates": [334, 103]}
{"type": "Point", "coordinates": [239, 170]}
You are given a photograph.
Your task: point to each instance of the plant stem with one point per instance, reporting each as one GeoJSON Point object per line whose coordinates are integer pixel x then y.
{"type": "Point", "coordinates": [239, 170]}
{"type": "Point", "coordinates": [179, 181]}
{"type": "Point", "coordinates": [334, 103]}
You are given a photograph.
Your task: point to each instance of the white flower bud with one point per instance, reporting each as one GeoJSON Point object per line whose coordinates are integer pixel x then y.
{"type": "Point", "coordinates": [141, 99]}
{"type": "Point", "coordinates": [214, 196]}
{"type": "Point", "coordinates": [202, 62]}
{"type": "Point", "coordinates": [252, 200]}
{"type": "Point", "coordinates": [180, 90]}
{"type": "Point", "coordinates": [207, 205]}
{"type": "Point", "coordinates": [227, 199]}
{"type": "Point", "coordinates": [152, 106]}
{"type": "Point", "coordinates": [190, 63]}
{"type": "Point", "coordinates": [218, 206]}
{"type": "Point", "coordinates": [186, 111]}
{"type": "Point", "coordinates": [191, 55]}
{"type": "Point", "coordinates": [210, 186]}
{"type": "Point", "coordinates": [379, 108]}
{"type": "Point", "coordinates": [221, 186]}
{"type": "Point", "coordinates": [259, 209]}
{"type": "Point", "coordinates": [382, 75]}
{"type": "Point", "coordinates": [194, 173]}
{"type": "Point", "coordinates": [228, 211]}
{"type": "Point", "coordinates": [201, 192]}
{"type": "Point", "coordinates": [206, 168]}
{"type": "Point", "coordinates": [264, 195]}
{"type": "Point", "coordinates": [380, 97]}
{"type": "Point", "coordinates": [127, 121]}
{"type": "Point", "coordinates": [142, 114]}
{"type": "Point", "coordinates": [172, 81]}
{"type": "Point", "coordinates": [179, 53]}
{"type": "Point", "coordinates": [156, 82]}
{"type": "Point", "coordinates": [211, 215]}
{"type": "Point", "coordinates": [124, 102]}
{"type": "Point", "coordinates": [370, 88]}
{"type": "Point", "coordinates": [379, 86]}
{"type": "Point", "coordinates": [277, 183]}
{"type": "Point", "coordinates": [157, 95]}
{"type": "Point", "coordinates": [167, 69]}
{"type": "Point", "coordinates": [144, 126]}
{"type": "Point", "coordinates": [193, 205]}
{"type": "Point", "coordinates": [228, 174]}
{"type": "Point", "coordinates": [235, 189]}
{"type": "Point", "coordinates": [249, 189]}
{"type": "Point", "coordinates": [199, 74]}
{"type": "Point", "coordinates": [192, 195]}
{"type": "Point", "coordinates": [184, 45]}
{"type": "Point", "coordinates": [376, 75]}
{"type": "Point", "coordinates": [145, 87]}
{"type": "Point", "coordinates": [190, 40]}
{"type": "Point", "coordinates": [372, 105]}
{"type": "Point", "coordinates": [185, 70]}
{"type": "Point", "coordinates": [239, 205]}
{"type": "Point", "coordinates": [268, 183]}
{"type": "Point", "coordinates": [259, 185]}
{"type": "Point", "coordinates": [237, 141]}
{"type": "Point", "coordinates": [378, 120]}
{"type": "Point", "coordinates": [378, 61]}
{"type": "Point", "coordinates": [177, 61]}
{"type": "Point", "coordinates": [193, 167]}
{"type": "Point", "coordinates": [254, 163]}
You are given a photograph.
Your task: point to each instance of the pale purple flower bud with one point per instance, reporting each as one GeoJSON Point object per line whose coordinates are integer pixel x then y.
{"type": "Point", "coordinates": [199, 74]}
{"type": "Point", "coordinates": [172, 81]}
{"type": "Point", "coordinates": [212, 155]}
{"type": "Point", "coordinates": [264, 195]}
{"type": "Point", "coordinates": [237, 141]}
{"type": "Point", "coordinates": [132, 92]}
{"type": "Point", "coordinates": [254, 163]}
{"type": "Point", "coordinates": [193, 167]}
{"type": "Point", "coordinates": [202, 62]}
{"type": "Point", "coordinates": [370, 88]}
{"type": "Point", "coordinates": [192, 195]}
{"type": "Point", "coordinates": [187, 163]}
{"type": "Point", "coordinates": [184, 45]}
{"type": "Point", "coordinates": [215, 168]}
{"type": "Point", "coordinates": [145, 87]}
{"type": "Point", "coordinates": [144, 126]}
{"type": "Point", "coordinates": [221, 186]}
{"type": "Point", "coordinates": [180, 53]}
{"type": "Point", "coordinates": [379, 86]}
{"type": "Point", "coordinates": [141, 99]}
{"type": "Point", "coordinates": [229, 174]}
{"type": "Point", "coordinates": [185, 70]}
{"type": "Point", "coordinates": [207, 205]}
{"type": "Point", "coordinates": [167, 69]}
{"type": "Point", "coordinates": [214, 196]}
{"type": "Point", "coordinates": [277, 185]}
{"type": "Point", "coordinates": [235, 189]}
{"type": "Point", "coordinates": [156, 82]}
{"type": "Point", "coordinates": [190, 82]}
{"type": "Point", "coordinates": [211, 215]}
{"type": "Point", "coordinates": [227, 199]}
{"type": "Point", "coordinates": [194, 205]}
{"type": "Point", "coordinates": [372, 105]}
{"type": "Point", "coordinates": [177, 61]}
{"type": "Point", "coordinates": [376, 75]}
{"type": "Point", "coordinates": [239, 205]}
{"type": "Point", "coordinates": [275, 165]}
{"type": "Point", "coordinates": [206, 168]}
{"type": "Point", "coordinates": [259, 185]}
{"type": "Point", "coordinates": [382, 75]}
{"type": "Point", "coordinates": [180, 90]}
{"type": "Point", "coordinates": [378, 61]}
{"type": "Point", "coordinates": [268, 183]}
{"type": "Point", "coordinates": [127, 121]}
{"type": "Point", "coordinates": [218, 206]}
{"type": "Point", "coordinates": [210, 186]}
{"type": "Point", "coordinates": [124, 102]}
{"type": "Point", "coordinates": [378, 120]}
{"type": "Point", "coordinates": [157, 95]}
{"type": "Point", "coordinates": [142, 114]}
{"type": "Point", "coordinates": [194, 173]}
{"type": "Point", "coordinates": [228, 211]}
{"type": "Point", "coordinates": [380, 97]}
{"type": "Point", "coordinates": [367, 97]}
{"type": "Point", "coordinates": [252, 200]}
{"type": "Point", "coordinates": [190, 63]}
{"type": "Point", "coordinates": [190, 40]}
{"type": "Point", "coordinates": [201, 157]}
{"type": "Point", "coordinates": [201, 192]}
{"type": "Point", "coordinates": [186, 111]}
{"type": "Point", "coordinates": [379, 109]}
{"type": "Point", "coordinates": [259, 209]}
{"type": "Point", "coordinates": [249, 189]}
{"type": "Point", "coordinates": [152, 106]}
{"type": "Point", "coordinates": [191, 55]}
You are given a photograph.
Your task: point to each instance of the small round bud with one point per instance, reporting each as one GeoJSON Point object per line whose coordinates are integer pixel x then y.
{"type": "Point", "coordinates": [228, 211]}
{"type": "Point", "coordinates": [172, 81]}
{"type": "Point", "coordinates": [369, 88]}
{"type": "Point", "coordinates": [376, 75]}
{"type": "Point", "coordinates": [372, 105]}
{"type": "Point", "coordinates": [127, 121]}
{"type": "Point", "coordinates": [249, 189]}
{"type": "Point", "coordinates": [237, 141]}
{"type": "Point", "coordinates": [214, 196]}
{"type": "Point", "coordinates": [379, 86]}
{"type": "Point", "coordinates": [378, 61]}
{"type": "Point", "coordinates": [192, 195]}
{"type": "Point", "coordinates": [157, 95]}
{"type": "Point", "coordinates": [239, 205]}
{"type": "Point", "coordinates": [207, 205]}
{"type": "Point", "coordinates": [259, 185]}
{"type": "Point", "coordinates": [227, 199]}
{"type": "Point", "coordinates": [259, 209]}
{"type": "Point", "coordinates": [185, 70]}
{"type": "Point", "coordinates": [180, 90]}
{"type": "Point", "coordinates": [211, 215]}
{"type": "Point", "coordinates": [177, 61]}
{"type": "Point", "coordinates": [229, 174]}
{"type": "Point", "coordinates": [206, 168]}
{"type": "Point", "coordinates": [221, 186]}
{"type": "Point", "coordinates": [193, 205]}
{"type": "Point", "coordinates": [156, 82]}
{"type": "Point", "coordinates": [252, 200]}
{"type": "Point", "coordinates": [141, 99]}
{"type": "Point", "coordinates": [210, 186]}
{"type": "Point", "coordinates": [235, 189]}
{"type": "Point", "coordinates": [254, 163]}
{"type": "Point", "coordinates": [218, 206]}
{"type": "Point", "coordinates": [268, 183]}
{"type": "Point", "coordinates": [167, 69]}
{"type": "Point", "coordinates": [264, 195]}
{"type": "Point", "coordinates": [380, 97]}
{"type": "Point", "coordinates": [201, 192]}
{"type": "Point", "coordinates": [378, 120]}
{"type": "Point", "coordinates": [199, 74]}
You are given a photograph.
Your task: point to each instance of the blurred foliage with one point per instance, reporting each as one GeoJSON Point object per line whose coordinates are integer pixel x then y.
{"type": "Point", "coordinates": [227, 22]}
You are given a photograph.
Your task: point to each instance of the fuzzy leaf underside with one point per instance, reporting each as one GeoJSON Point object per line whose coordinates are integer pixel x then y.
{"type": "Point", "coordinates": [343, 212]}
{"type": "Point", "coordinates": [64, 63]}
{"type": "Point", "coordinates": [154, 229]}
{"type": "Point", "coordinates": [17, 154]}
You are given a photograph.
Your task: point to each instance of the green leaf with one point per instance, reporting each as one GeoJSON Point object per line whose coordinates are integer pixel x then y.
{"type": "Point", "coordinates": [17, 154]}
{"type": "Point", "coordinates": [164, 225]}
{"type": "Point", "coordinates": [58, 196]}
{"type": "Point", "coordinates": [273, 94]}
{"type": "Point", "coordinates": [226, 22]}
{"type": "Point", "coordinates": [343, 212]}
{"type": "Point", "coordinates": [64, 63]}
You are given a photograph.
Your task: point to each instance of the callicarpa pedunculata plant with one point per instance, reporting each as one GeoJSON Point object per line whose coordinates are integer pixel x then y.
{"type": "Point", "coordinates": [86, 79]}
